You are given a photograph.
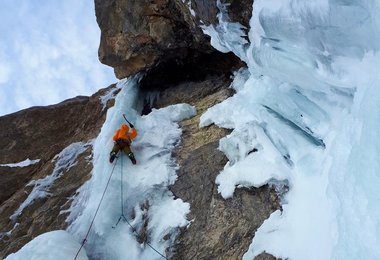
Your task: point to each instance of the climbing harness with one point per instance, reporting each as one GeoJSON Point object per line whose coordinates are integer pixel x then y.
{"type": "Point", "coordinates": [122, 217]}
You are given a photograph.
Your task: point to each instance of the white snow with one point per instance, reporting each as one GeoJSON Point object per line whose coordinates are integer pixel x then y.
{"type": "Point", "coordinates": [247, 168]}
{"type": "Point", "coordinates": [54, 245]}
{"type": "Point", "coordinates": [24, 163]}
{"type": "Point", "coordinates": [309, 104]}
{"type": "Point", "coordinates": [63, 162]}
{"type": "Point", "coordinates": [109, 95]}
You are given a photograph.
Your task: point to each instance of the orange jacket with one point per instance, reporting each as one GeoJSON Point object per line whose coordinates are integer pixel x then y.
{"type": "Point", "coordinates": [123, 133]}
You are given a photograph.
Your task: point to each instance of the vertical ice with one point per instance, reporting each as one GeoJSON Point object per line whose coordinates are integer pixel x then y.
{"type": "Point", "coordinates": [313, 92]}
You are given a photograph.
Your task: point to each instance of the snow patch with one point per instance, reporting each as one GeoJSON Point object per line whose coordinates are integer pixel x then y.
{"type": "Point", "coordinates": [253, 160]}
{"type": "Point", "coordinates": [54, 245]}
{"type": "Point", "coordinates": [24, 163]}
{"type": "Point", "coordinates": [64, 161]}
{"type": "Point", "coordinates": [109, 95]}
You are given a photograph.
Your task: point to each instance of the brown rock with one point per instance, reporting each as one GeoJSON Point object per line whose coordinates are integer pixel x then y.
{"type": "Point", "coordinates": [135, 35]}
{"type": "Point", "coordinates": [139, 35]}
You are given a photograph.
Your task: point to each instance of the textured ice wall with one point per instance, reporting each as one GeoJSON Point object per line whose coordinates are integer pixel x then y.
{"type": "Point", "coordinates": [311, 89]}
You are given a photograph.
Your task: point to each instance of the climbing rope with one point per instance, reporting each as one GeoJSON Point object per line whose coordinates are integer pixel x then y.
{"type": "Point", "coordinates": [137, 235]}
{"type": "Point", "coordinates": [96, 212]}
{"type": "Point", "coordinates": [121, 194]}
{"type": "Point", "coordinates": [122, 217]}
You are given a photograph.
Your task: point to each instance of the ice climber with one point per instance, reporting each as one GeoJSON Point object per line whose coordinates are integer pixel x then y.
{"type": "Point", "coordinates": [122, 141]}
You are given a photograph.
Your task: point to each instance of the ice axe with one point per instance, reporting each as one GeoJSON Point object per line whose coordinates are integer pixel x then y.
{"type": "Point", "coordinates": [130, 124]}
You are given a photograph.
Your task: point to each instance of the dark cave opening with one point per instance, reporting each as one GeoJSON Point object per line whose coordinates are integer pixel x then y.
{"type": "Point", "coordinates": [196, 66]}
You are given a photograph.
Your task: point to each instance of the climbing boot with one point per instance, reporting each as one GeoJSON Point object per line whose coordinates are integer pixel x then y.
{"type": "Point", "coordinates": [132, 157]}
{"type": "Point", "coordinates": [112, 157]}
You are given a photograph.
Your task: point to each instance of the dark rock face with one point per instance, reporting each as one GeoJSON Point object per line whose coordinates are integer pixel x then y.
{"type": "Point", "coordinates": [41, 133]}
{"type": "Point", "coordinates": [139, 35]}
{"type": "Point", "coordinates": [206, 10]}
{"type": "Point", "coordinates": [198, 68]}
{"type": "Point", "coordinates": [239, 11]}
